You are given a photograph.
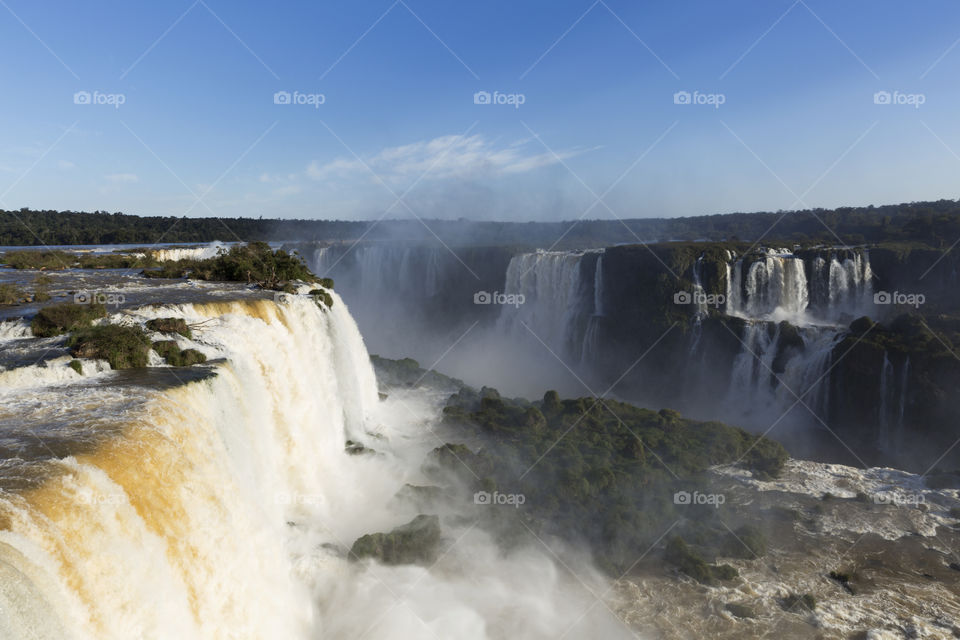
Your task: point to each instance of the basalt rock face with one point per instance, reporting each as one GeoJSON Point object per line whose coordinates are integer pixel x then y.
{"type": "Point", "coordinates": [935, 273]}
{"type": "Point", "coordinates": [755, 336]}
{"type": "Point", "coordinates": [781, 339]}
{"type": "Point", "coordinates": [894, 390]}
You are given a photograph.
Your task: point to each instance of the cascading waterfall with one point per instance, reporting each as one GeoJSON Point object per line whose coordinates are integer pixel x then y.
{"type": "Point", "coordinates": [842, 283]}
{"type": "Point", "coordinates": [904, 381]}
{"type": "Point", "coordinates": [883, 410]}
{"type": "Point", "coordinates": [813, 294]}
{"type": "Point", "coordinates": [192, 253]}
{"type": "Point", "coordinates": [773, 376]}
{"type": "Point", "coordinates": [591, 338]}
{"type": "Point", "coordinates": [700, 310]}
{"type": "Point", "coordinates": [781, 286]}
{"type": "Point", "coordinates": [557, 300]}
{"type": "Point", "coordinates": [893, 402]}
{"type": "Point", "coordinates": [774, 286]}
{"type": "Point", "coordinates": [221, 508]}
{"type": "Point", "coordinates": [184, 510]}
{"type": "Point", "coordinates": [750, 376]}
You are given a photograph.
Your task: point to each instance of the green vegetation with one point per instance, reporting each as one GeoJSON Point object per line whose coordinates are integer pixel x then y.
{"type": "Point", "coordinates": [931, 224]}
{"type": "Point", "coordinates": [122, 347]}
{"type": "Point", "coordinates": [679, 554]}
{"type": "Point", "coordinates": [11, 294]}
{"type": "Point", "coordinates": [603, 470]}
{"type": "Point", "coordinates": [176, 357]}
{"type": "Point", "coordinates": [407, 372]}
{"type": "Point", "coordinates": [747, 542]}
{"type": "Point", "coordinates": [322, 297]}
{"type": "Point", "coordinates": [254, 263]}
{"type": "Point", "coordinates": [41, 288]}
{"type": "Point", "coordinates": [61, 318]}
{"type": "Point", "coordinates": [38, 259]}
{"type": "Point", "coordinates": [415, 542]}
{"type": "Point", "coordinates": [170, 325]}
{"type": "Point", "coordinates": [76, 365]}
{"type": "Point", "coordinates": [56, 260]}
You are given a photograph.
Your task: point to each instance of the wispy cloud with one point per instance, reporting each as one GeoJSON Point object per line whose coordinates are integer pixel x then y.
{"type": "Point", "coordinates": [452, 156]}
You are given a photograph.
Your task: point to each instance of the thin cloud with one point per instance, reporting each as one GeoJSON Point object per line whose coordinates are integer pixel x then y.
{"type": "Point", "coordinates": [453, 156]}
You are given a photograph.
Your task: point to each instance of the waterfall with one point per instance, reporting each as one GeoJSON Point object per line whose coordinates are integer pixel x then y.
{"type": "Point", "coordinates": [558, 300]}
{"type": "Point", "coordinates": [598, 287]}
{"type": "Point", "coordinates": [178, 528]}
{"type": "Point", "coordinates": [842, 283]}
{"type": "Point", "coordinates": [192, 253]}
{"type": "Point", "coordinates": [222, 508]}
{"type": "Point", "coordinates": [768, 376]}
{"type": "Point", "coordinates": [700, 302]}
{"type": "Point", "coordinates": [893, 403]}
{"type": "Point", "coordinates": [750, 376]}
{"type": "Point", "coordinates": [883, 409]}
{"type": "Point", "coordinates": [778, 285]}
{"type": "Point", "coordinates": [902, 407]}
{"type": "Point", "coordinates": [774, 286]}
{"type": "Point", "coordinates": [318, 260]}
{"type": "Point", "coordinates": [591, 338]}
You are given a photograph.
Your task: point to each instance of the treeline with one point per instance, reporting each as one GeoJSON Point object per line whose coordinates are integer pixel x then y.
{"type": "Point", "coordinates": [933, 224]}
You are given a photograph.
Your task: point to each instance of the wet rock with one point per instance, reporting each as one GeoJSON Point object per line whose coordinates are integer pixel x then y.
{"type": "Point", "coordinates": [413, 543]}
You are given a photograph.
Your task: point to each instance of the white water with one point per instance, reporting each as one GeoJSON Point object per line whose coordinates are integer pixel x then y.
{"type": "Point", "coordinates": [224, 508]}
{"type": "Point", "coordinates": [557, 301]}
{"type": "Point", "coordinates": [774, 287]}
{"type": "Point", "coordinates": [778, 287]}
{"type": "Point", "coordinates": [760, 395]}
{"type": "Point", "coordinates": [193, 253]}
{"type": "Point", "coordinates": [892, 405]}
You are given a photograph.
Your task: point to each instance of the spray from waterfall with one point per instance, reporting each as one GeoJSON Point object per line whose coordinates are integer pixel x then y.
{"type": "Point", "coordinates": [228, 505]}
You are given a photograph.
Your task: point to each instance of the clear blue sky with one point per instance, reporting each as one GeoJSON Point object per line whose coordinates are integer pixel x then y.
{"type": "Point", "coordinates": [798, 125]}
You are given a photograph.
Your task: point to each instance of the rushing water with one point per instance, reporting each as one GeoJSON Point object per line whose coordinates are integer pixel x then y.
{"type": "Point", "coordinates": [222, 508]}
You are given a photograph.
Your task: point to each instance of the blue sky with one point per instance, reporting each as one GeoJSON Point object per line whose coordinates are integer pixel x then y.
{"type": "Point", "coordinates": [599, 133]}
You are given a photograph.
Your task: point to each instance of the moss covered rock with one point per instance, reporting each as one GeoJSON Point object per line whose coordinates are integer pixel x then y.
{"type": "Point", "coordinates": [416, 542]}
{"type": "Point", "coordinates": [170, 325]}
{"type": "Point", "coordinates": [177, 357]}
{"type": "Point", "coordinates": [62, 318]}
{"type": "Point", "coordinates": [122, 347]}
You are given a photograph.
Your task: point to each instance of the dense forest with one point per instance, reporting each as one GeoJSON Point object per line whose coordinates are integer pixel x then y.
{"type": "Point", "coordinates": [934, 224]}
